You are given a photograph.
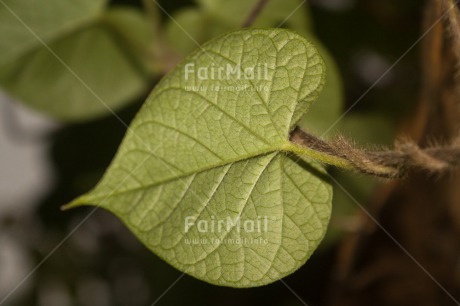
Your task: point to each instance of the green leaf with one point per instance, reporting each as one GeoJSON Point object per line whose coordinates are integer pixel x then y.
{"type": "Point", "coordinates": [199, 27]}
{"type": "Point", "coordinates": [293, 14]}
{"type": "Point", "coordinates": [49, 19]}
{"type": "Point", "coordinates": [208, 21]}
{"type": "Point", "coordinates": [212, 18]}
{"type": "Point", "coordinates": [132, 30]}
{"type": "Point", "coordinates": [324, 113]}
{"type": "Point", "coordinates": [88, 68]}
{"type": "Point", "coordinates": [212, 155]}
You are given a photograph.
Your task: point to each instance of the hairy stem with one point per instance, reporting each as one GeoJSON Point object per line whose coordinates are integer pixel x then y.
{"type": "Point", "coordinates": [405, 157]}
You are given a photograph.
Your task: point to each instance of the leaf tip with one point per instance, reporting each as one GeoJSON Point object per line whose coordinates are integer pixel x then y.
{"type": "Point", "coordinates": [75, 203]}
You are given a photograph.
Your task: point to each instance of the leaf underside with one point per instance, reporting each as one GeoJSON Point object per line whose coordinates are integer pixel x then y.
{"type": "Point", "coordinates": [215, 17]}
{"type": "Point", "coordinates": [212, 155]}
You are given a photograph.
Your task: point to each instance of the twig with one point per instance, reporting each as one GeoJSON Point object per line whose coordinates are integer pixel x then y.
{"type": "Point", "coordinates": [162, 56]}
{"type": "Point", "coordinates": [254, 13]}
{"type": "Point", "coordinates": [453, 26]}
{"type": "Point", "coordinates": [152, 15]}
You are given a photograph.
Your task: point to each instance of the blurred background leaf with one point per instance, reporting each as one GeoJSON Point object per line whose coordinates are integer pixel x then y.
{"type": "Point", "coordinates": [73, 60]}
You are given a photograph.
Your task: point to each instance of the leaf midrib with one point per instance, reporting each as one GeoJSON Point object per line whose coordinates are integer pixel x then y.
{"type": "Point", "coordinates": [285, 147]}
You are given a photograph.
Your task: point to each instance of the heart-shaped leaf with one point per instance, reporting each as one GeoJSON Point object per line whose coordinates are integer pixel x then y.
{"type": "Point", "coordinates": [205, 177]}
{"type": "Point", "coordinates": [215, 17]}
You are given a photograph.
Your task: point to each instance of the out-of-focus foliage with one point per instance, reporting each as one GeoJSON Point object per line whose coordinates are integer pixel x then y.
{"type": "Point", "coordinates": [73, 60]}
{"type": "Point", "coordinates": [211, 18]}
{"type": "Point", "coordinates": [80, 60]}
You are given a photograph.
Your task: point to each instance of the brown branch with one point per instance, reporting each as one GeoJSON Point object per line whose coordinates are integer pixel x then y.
{"type": "Point", "coordinates": [453, 26]}
{"type": "Point", "coordinates": [256, 10]}
{"type": "Point", "coordinates": [405, 157]}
